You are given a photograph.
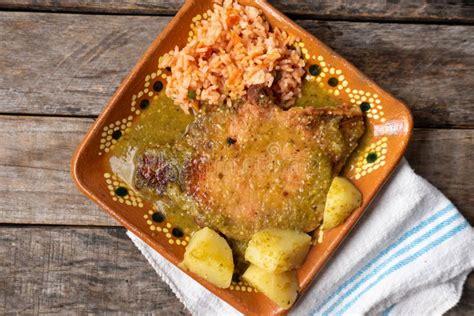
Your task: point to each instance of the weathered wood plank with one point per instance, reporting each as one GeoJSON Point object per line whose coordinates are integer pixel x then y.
{"type": "Point", "coordinates": [75, 71]}
{"type": "Point", "coordinates": [58, 270]}
{"type": "Point", "coordinates": [53, 270]}
{"type": "Point", "coordinates": [405, 10]}
{"type": "Point", "coordinates": [35, 181]}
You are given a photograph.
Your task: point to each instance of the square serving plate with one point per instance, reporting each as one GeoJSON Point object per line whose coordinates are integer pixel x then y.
{"type": "Point", "coordinates": [389, 128]}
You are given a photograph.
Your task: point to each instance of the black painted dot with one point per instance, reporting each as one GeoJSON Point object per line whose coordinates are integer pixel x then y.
{"type": "Point", "coordinates": [371, 157]}
{"type": "Point", "coordinates": [333, 82]}
{"type": "Point", "coordinates": [231, 141]}
{"type": "Point", "coordinates": [158, 86]}
{"type": "Point", "coordinates": [314, 70]}
{"type": "Point", "coordinates": [365, 106]}
{"type": "Point", "coordinates": [158, 217]}
{"type": "Point", "coordinates": [117, 134]}
{"type": "Point", "coordinates": [144, 104]}
{"type": "Point", "coordinates": [177, 232]}
{"type": "Point", "coordinates": [168, 68]}
{"type": "Point", "coordinates": [121, 191]}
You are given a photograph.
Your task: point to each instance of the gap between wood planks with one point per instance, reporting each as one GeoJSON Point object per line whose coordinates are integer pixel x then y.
{"type": "Point", "coordinates": [454, 12]}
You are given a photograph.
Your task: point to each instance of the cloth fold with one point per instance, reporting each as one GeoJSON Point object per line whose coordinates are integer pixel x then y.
{"type": "Point", "coordinates": [410, 254]}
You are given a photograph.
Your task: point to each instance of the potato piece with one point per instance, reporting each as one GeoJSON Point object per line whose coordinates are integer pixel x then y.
{"type": "Point", "coordinates": [281, 288]}
{"type": "Point", "coordinates": [278, 250]}
{"type": "Point", "coordinates": [343, 198]}
{"type": "Point", "coordinates": [209, 256]}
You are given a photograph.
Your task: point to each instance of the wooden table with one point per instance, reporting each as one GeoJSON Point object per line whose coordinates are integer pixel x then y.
{"type": "Point", "coordinates": [60, 61]}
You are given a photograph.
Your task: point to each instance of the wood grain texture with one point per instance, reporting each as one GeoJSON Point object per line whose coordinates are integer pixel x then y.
{"type": "Point", "coordinates": [51, 270]}
{"type": "Point", "coordinates": [401, 10]}
{"type": "Point", "coordinates": [35, 181]}
{"type": "Point", "coordinates": [65, 270]}
{"type": "Point", "coordinates": [75, 71]}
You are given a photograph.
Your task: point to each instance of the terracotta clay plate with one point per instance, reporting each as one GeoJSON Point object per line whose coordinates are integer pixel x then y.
{"type": "Point", "coordinates": [389, 128]}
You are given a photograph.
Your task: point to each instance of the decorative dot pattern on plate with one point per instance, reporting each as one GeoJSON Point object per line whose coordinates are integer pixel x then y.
{"type": "Point", "coordinates": [112, 133]}
{"type": "Point", "coordinates": [157, 222]}
{"type": "Point", "coordinates": [328, 77]}
{"type": "Point", "coordinates": [120, 192]}
{"type": "Point", "coordinates": [371, 158]}
{"type": "Point", "coordinates": [368, 103]}
{"type": "Point", "coordinates": [242, 286]}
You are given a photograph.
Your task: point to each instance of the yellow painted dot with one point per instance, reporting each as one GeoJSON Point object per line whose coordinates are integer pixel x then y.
{"type": "Point", "coordinates": [158, 229]}
{"type": "Point", "coordinates": [128, 202]}
{"type": "Point", "coordinates": [147, 78]}
{"type": "Point", "coordinates": [325, 69]}
{"type": "Point", "coordinates": [149, 222]}
{"type": "Point", "coordinates": [347, 90]}
{"type": "Point", "coordinates": [121, 200]}
{"type": "Point", "coordinates": [249, 289]}
{"type": "Point", "coordinates": [165, 230]}
{"type": "Point", "coordinates": [168, 235]}
{"type": "Point", "coordinates": [106, 150]}
{"type": "Point", "coordinates": [382, 163]}
{"type": "Point", "coordinates": [140, 204]}
{"type": "Point", "coordinates": [114, 198]}
{"type": "Point", "coordinates": [237, 288]}
{"type": "Point", "coordinates": [320, 58]}
{"type": "Point", "coordinates": [231, 287]}
{"type": "Point", "coordinates": [146, 90]}
{"type": "Point", "coordinates": [145, 216]}
{"type": "Point", "coordinates": [150, 94]}
{"type": "Point", "coordinates": [152, 227]}
{"type": "Point", "coordinates": [187, 238]}
{"type": "Point", "coordinates": [171, 241]}
{"type": "Point", "coordinates": [377, 101]}
{"type": "Point", "coordinates": [322, 75]}
{"type": "Point", "coordinates": [336, 93]}
{"type": "Point", "coordinates": [178, 242]}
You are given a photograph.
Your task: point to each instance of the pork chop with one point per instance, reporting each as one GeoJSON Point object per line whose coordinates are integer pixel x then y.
{"type": "Point", "coordinates": [257, 166]}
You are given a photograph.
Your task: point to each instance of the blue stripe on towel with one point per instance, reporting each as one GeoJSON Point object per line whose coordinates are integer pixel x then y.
{"type": "Point", "coordinates": [388, 310]}
{"type": "Point", "coordinates": [406, 261]}
{"type": "Point", "coordinates": [395, 244]}
{"type": "Point", "coordinates": [389, 260]}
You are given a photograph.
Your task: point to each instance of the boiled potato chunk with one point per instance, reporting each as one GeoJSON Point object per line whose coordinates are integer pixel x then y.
{"type": "Point", "coordinates": [209, 256]}
{"type": "Point", "coordinates": [281, 288]}
{"type": "Point", "coordinates": [278, 250]}
{"type": "Point", "coordinates": [343, 198]}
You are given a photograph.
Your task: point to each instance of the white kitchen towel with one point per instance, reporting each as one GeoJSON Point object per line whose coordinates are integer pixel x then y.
{"type": "Point", "coordinates": [409, 255]}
